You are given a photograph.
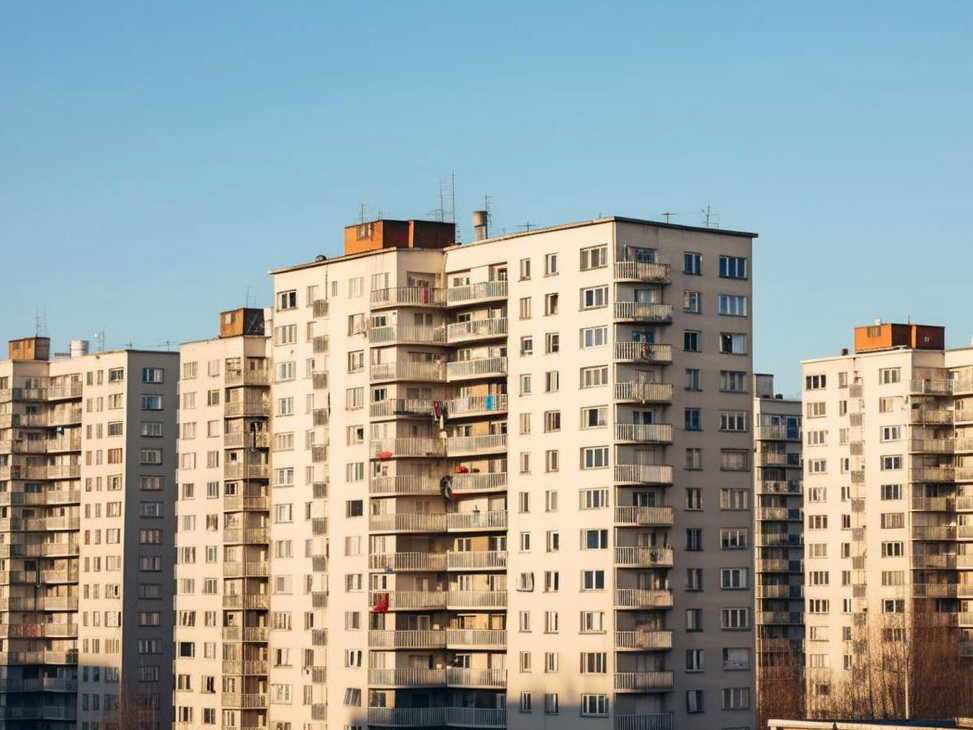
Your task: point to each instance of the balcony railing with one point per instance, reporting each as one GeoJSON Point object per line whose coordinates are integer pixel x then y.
{"type": "Point", "coordinates": [644, 516]}
{"type": "Point", "coordinates": [244, 701]}
{"type": "Point", "coordinates": [407, 677]}
{"type": "Point", "coordinates": [379, 639]}
{"type": "Point", "coordinates": [475, 717]}
{"type": "Point", "coordinates": [644, 681]}
{"type": "Point", "coordinates": [476, 560]}
{"type": "Point", "coordinates": [255, 568]}
{"type": "Point", "coordinates": [660, 433]}
{"type": "Point", "coordinates": [258, 634]}
{"type": "Point", "coordinates": [644, 392]}
{"type": "Point", "coordinates": [642, 598]}
{"type": "Point", "coordinates": [477, 329]}
{"type": "Point", "coordinates": [642, 352]}
{"type": "Point", "coordinates": [476, 599]}
{"type": "Point", "coordinates": [934, 504]}
{"type": "Point", "coordinates": [247, 535]}
{"type": "Point", "coordinates": [647, 557]}
{"type": "Point", "coordinates": [410, 600]}
{"type": "Point", "coordinates": [466, 445]}
{"type": "Point", "coordinates": [414, 296]}
{"type": "Point", "coordinates": [643, 312]}
{"type": "Point", "coordinates": [433, 372]}
{"type": "Point", "coordinates": [467, 638]}
{"type": "Point", "coordinates": [489, 520]}
{"type": "Point", "coordinates": [932, 473]}
{"type": "Point", "coordinates": [419, 334]}
{"type": "Point", "coordinates": [246, 408]}
{"type": "Point", "coordinates": [644, 640]}
{"type": "Point", "coordinates": [934, 532]}
{"type": "Point", "coordinates": [249, 601]}
{"type": "Point", "coordinates": [658, 721]}
{"type": "Point", "coordinates": [408, 522]}
{"type": "Point", "coordinates": [484, 367]}
{"type": "Point", "coordinates": [476, 405]}
{"type": "Point", "coordinates": [415, 446]}
{"type": "Point", "coordinates": [460, 677]}
{"type": "Point", "coordinates": [246, 471]}
{"type": "Point", "coordinates": [479, 292]}
{"type": "Point", "coordinates": [405, 484]}
{"type": "Point", "coordinates": [255, 376]}
{"type": "Point", "coordinates": [401, 562]}
{"type": "Point", "coordinates": [643, 473]}
{"type": "Point", "coordinates": [236, 502]}
{"type": "Point", "coordinates": [642, 271]}
{"type": "Point", "coordinates": [260, 440]}
{"type": "Point", "coordinates": [423, 717]}
{"type": "Point", "coordinates": [480, 482]}
{"type": "Point", "coordinates": [931, 446]}
{"type": "Point", "coordinates": [321, 307]}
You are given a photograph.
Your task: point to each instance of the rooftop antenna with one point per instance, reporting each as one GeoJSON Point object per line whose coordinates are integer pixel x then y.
{"type": "Point", "coordinates": [40, 322]}
{"type": "Point", "coordinates": [711, 218]}
{"type": "Point", "coordinates": [99, 338]}
{"type": "Point", "coordinates": [668, 215]}
{"type": "Point", "coordinates": [488, 207]}
{"type": "Point", "coordinates": [527, 226]}
{"type": "Point", "coordinates": [361, 212]}
{"type": "Point", "coordinates": [250, 298]}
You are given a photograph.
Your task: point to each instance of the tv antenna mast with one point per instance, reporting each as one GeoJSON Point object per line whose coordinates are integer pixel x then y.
{"type": "Point", "coordinates": [711, 218]}
{"type": "Point", "coordinates": [40, 322]}
{"type": "Point", "coordinates": [99, 338]}
{"type": "Point", "coordinates": [668, 215]}
{"type": "Point", "coordinates": [250, 298]}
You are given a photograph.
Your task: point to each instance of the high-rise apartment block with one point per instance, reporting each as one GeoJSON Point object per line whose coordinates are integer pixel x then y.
{"type": "Point", "coordinates": [888, 497]}
{"type": "Point", "coordinates": [779, 549]}
{"type": "Point", "coordinates": [223, 596]}
{"type": "Point", "coordinates": [87, 458]}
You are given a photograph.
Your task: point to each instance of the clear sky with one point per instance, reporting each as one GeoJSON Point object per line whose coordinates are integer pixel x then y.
{"type": "Point", "coordinates": [156, 158]}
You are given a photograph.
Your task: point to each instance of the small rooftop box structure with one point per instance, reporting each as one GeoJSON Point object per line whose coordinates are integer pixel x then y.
{"type": "Point", "coordinates": [243, 321]}
{"type": "Point", "coordinates": [29, 348]}
{"type": "Point", "coordinates": [884, 336]}
{"type": "Point", "coordinates": [379, 234]}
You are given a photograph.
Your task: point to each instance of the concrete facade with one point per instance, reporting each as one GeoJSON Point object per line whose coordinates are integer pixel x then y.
{"type": "Point", "coordinates": [87, 454]}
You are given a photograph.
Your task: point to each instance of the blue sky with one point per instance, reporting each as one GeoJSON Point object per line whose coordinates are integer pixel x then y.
{"type": "Point", "coordinates": [156, 158]}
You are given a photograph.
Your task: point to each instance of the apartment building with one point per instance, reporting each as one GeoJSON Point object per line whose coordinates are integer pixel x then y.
{"type": "Point", "coordinates": [511, 480]}
{"type": "Point", "coordinates": [779, 553]}
{"type": "Point", "coordinates": [87, 453]}
{"type": "Point", "coordinates": [223, 543]}
{"type": "Point", "coordinates": [887, 486]}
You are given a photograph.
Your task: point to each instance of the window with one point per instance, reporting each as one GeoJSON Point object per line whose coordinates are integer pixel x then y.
{"type": "Point", "coordinates": [694, 660]}
{"type": "Point", "coordinates": [153, 375]}
{"type": "Point", "coordinates": [594, 705]}
{"type": "Point", "coordinates": [552, 343]}
{"type": "Point", "coordinates": [692, 341]}
{"type": "Point", "coordinates": [735, 619]}
{"type": "Point", "coordinates": [733, 381]}
{"type": "Point", "coordinates": [525, 308]}
{"type": "Point", "coordinates": [692, 302]}
{"type": "Point", "coordinates": [524, 269]}
{"type": "Point", "coordinates": [694, 701]}
{"type": "Point", "coordinates": [594, 297]}
{"type": "Point", "coordinates": [694, 619]}
{"type": "Point", "coordinates": [594, 498]}
{"type": "Point", "coordinates": [594, 417]}
{"type": "Point", "coordinates": [733, 421]}
{"type": "Point", "coordinates": [733, 267]}
{"type": "Point", "coordinates": [595, 257]}
{"type": "Point", "coordinates": [592, 580]}
{"type": "Point", "coordinates": [592, 622]}
{"type": "Point", "coordinates": [594, 539]}
{"type": "Point", "coordinates": [815, 382]}
{"type": "Point", "coordinates": [286, 300]}
{"type": "Point", "coordinates": [890, 463]}
{"type": "Point", "coordinates": [594, 337]}
{"type": "Point", "coordinates": [594, 377]}
{"type": "Point", "coordinates": [887, 376]}
{"type": "Point", "coordinates": [692, 264]}
{"type": "Point", "coordinates": [891, 491]}
{"type": "Point", "coordinates": [733, 305]}
{"type": "Point", "coordinates": [552, 381]}
{"type": "Point", "coordinates": [551, 704]}
{"type": "Point", "coordinates": [150, 402]}
{"type": "Point", "coordinates": [733, 343]}
{"type": "Point", "coordinates": [733, 579]}
{"type": "Point", "coordinates": [527, 346]}
{"type": "Point", "coordinates": [693, 419]}
{"type": "Point", "coordinates": [694, 458]}
{"type": "Point", "coordinates": [525, 702]}
{"type": "Point", "coordinates": [892, 520]}
{"type": "Point", "coordinates": [733, 538]}
{"type": "Point", "coordinates": [891, 433]}
{"type": "Point", "coordinates": [550, 264]}
{"type": "Point", "coordinates": [552, 421]}
{"type": "Point", "coordinates": [693, 379]}
{"type": "Point", "coordinates": [594, 457]}
{"type": "Point", "coordinates": [694, 498]}
{"type": "Point", "coordinates": [734, 459]}
{"type": "Point", "coordinates": [551, 304]}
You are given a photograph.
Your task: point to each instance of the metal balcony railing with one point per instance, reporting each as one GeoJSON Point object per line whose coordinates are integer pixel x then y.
{"type": "Point", "coordinates": [643, 312]}
{"type": "Point", "coordinates": [477, 329]}
{"type": "Point", "coordinates": [479, 368]}
{"type": "Point", "coordinates": [643, 392]}
{"type": "Point", "coordinates": [644, 557]}
{"type": "Point", "coordinates": [660, 433]}
{"type": "Point", "coordinates": [478, 292]}
{"type": "Point", "coordinates": [642, 271]}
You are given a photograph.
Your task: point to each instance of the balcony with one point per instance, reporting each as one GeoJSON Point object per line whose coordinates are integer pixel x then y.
{"type": "Point", "coordinates": [414, 446]}
{"type": "Point", "coordinates": [780, 514]}
{"type": "Point", "coordinates": [408, 522]}
{"type": "Point", "coordinates": [244, 701]}
{"type": "Point", "coordinates": [410, 600]}
{"type": "Point", "coordinates": [379, 639]}
{"type": "Point", "coordinates": [320, 307]}
{"type": "Point", "coordinates": [482, 291]}
{"type": "Point", "coordinates": [255, 569]}
{"type": "Point", "coordinates": [935, 533]}
{"type": "Point", "coordinates": [934, 562]}
{"type": "Point", "coordinates": [485, 717]}
{"type": "Point", "coordinates": [938, 416]}
{"type": "Point", "coordinates": [255, 408]}
{"type": "Point", "coordinates": [644, 433]}
{"type": "Point", "coordinates": [643, 392]}
{"type": "Point", "coordinates": [65, 391]}
{"type": "Point", "coordinates": [408, 296]}
{"type": "Point", "coordinates": [256, 634]}
{"type": "Point", "coordinates": [431, 372]}
{"type": "Point", "coordinates": [488, 520]}
{"type": "Point", "coordinates": [643, 681]}
{"type": "Point", "coordinates": [657, 721]}
{"type": "Point", "coordinates": [476, 560]}
{"type": "Point", "coordinates": [963, 473]}
{"type": "Point", "coordinates": [406, 677]}
{"type": "Point", "coordinates": [403, 562]}
{"type": "Point", "coordinates": [643, 474]}
{"type": "Point", "coordinates": [477, 329]}
{"type": "Point", "coordinates": [780, 618]}
{"type": "Point", "coordinates": [255, 376]}
{"type": "Point", "coordinates": [644, 516]}
{"type": "Point", "coordinates": [319, 380]}
{"type": "Point", "coordinates": [476, 639]}
{"type": "Point", "coordinates": [484, 367]}
{"type": "Point", "coordinates": [938, 590]}
{"type": "Point", "coordinates": [246, 471]}
{"type": "Point", "coordinates": [627, 270]}
{"type": "Point", "coordinates": [644, 640]}
{"type": "Point", "coordinates": [64, 417]}
{"type": "Point", "coordinates": [246, 535]}
{"type": "Point", "coordinates": [456, 600]}
{"type": "Point", "coordinates": [321, 344]}
{"type": "Point", "coordinates": [413, 334]}
{"type": "Point", "coordinates": [643, 352]}
{"type": "Point", "coordinates": [932, 473]}
{"type": "Point", "coordinates": [775, 487]}
{"type": "Point", "coordinates": [469, 445]}
{"type": "Point", "coordinates": [642, 598]}
{"type": "Point", "coordinates": [934, 504]}
{"type": "Point", "coordinates": [405, 484]}
{"type": "Point", "coordinates": [476, 678]}
{"type": "Point", "coordinates": [930, 386]}
{"type": "Point", "coordinates": [777, 432]}
{"type": "Point", "coordinates": [643, 557]}
{"type": "Point", "coordinates": [237, 502]}
{"type": "Point", "coordinates": [476, 406]}
{"type": "Point", "coordinates": [423, 717]}
{"type": "Point", "coordinates": [487, 482]}
{"type": "Point", "coordinates": [931, 446]}
{"type": "Point", "coordinates": [250, 601]}
{"type": "Point", "coordinates": [643, 312]}
{"type": "Point", "coordinates": [259, 440]}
